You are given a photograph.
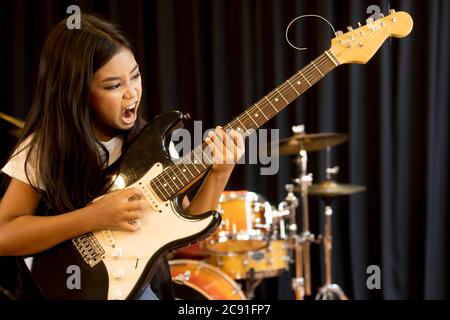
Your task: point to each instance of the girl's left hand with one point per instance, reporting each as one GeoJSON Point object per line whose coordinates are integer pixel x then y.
{"type": "Point", "coordinates": [226, 149]}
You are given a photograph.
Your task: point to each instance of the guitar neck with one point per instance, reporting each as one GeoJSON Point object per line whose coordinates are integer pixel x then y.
{"type": "Point", "coordinates": [182, 173]}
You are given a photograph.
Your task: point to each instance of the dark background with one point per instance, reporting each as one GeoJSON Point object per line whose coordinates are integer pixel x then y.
{"type": "Point", "coordinates": [213, 59]}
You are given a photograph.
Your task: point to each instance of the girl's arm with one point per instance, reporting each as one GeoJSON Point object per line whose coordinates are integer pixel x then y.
{"type": "Point", "coordinates": [23, 233]}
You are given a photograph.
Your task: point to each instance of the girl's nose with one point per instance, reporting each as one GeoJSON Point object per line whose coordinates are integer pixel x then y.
{"type": "Point", "coordinates": [130, 92]}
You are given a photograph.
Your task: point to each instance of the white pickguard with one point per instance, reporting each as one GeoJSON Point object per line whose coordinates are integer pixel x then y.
{"type": "Point", "coordinates": [127, 253]}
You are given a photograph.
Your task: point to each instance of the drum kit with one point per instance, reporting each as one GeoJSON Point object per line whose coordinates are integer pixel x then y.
{"type": "Point", "coordinates": [257, 240]}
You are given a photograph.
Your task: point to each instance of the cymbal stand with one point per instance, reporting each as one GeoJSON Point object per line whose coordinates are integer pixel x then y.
{"type": "Point", "coordinates": [330, 290]}
{"type": "Point", "coordinates": [306, 236]}
{"type": "Point", "coordinates": [251, 283]}
{"type": "Point", "coordinates": [290, 204]}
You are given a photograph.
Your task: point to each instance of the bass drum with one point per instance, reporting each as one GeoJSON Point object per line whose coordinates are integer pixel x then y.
{"type": "Point", "coordinates": [197, 280]}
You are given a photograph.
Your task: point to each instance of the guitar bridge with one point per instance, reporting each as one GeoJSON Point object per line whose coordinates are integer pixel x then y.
{"type": "Point", "coordinates": [89, 248]}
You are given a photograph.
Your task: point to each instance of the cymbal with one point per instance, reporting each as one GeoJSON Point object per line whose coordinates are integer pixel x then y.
{"type": "Point", "coordinates": [329, 188]}
{"type": "Point", "coordinates": [310, 142]}
{"type": "Point", "coordinates": [17, 122]}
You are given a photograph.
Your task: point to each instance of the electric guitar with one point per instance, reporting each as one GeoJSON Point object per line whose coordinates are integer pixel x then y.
{"type": "Point", "coordinates": [118, 264]}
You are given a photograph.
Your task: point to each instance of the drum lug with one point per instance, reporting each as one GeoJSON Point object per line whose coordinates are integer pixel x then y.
{"type": "Point", "coordinates": [181, 278]}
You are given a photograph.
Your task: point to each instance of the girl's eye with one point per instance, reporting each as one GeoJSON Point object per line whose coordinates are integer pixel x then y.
{"type": "Point", "coordinates": [113, 87]}
{"type": "Point", "coordinates": [137, 75]}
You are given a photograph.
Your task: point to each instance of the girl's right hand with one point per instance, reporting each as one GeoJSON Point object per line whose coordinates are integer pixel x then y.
{"type": "Point", "coordinates": [117, 209]}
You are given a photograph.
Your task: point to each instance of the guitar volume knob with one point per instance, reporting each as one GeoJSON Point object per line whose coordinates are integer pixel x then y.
{"type": "Point", "coordinates": [117, 294]}
{"type": "Point", "coordinates": [117, 253]}
{"type": "Point", "coordinates": [118, 274]}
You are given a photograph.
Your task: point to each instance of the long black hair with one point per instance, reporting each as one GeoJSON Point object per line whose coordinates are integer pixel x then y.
{"type": "Point", "coordinates": [68, 162]}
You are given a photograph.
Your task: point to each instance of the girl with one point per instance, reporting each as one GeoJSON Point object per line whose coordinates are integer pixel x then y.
{"type": "Point", "coordinates": [84, 115]}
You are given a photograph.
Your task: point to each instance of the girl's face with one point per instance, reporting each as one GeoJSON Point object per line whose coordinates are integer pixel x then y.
{"type": "Point", "coordinates": [115, 95]}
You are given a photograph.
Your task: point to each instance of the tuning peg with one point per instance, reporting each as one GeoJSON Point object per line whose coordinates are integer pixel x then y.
{"type": "Point", "coordinates": [381, 16]}
{"type": "Point", "coordinates": [391, 11]}
{"type": "Point", "coordinates": [359, 24]}
{"type": "Point", "coordinates": [349, 28]}
{"type": "Point", "coordinates": [339, 33]}
{"type": "Point", "coordinates": [369, 20]}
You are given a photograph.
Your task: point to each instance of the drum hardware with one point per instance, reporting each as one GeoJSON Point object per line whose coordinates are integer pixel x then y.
{"type": "Point", "coordinates": [298, 245]}
{"type": "Point", "coordinates": [251, 282]}
{"type": "Point", "coordinates": [20, 124]}
{"type": "Point", "coordinates": [328, 190]}
{"type": "Point", "coordinates": [329, 290]}
{"type": "Point", "coordinates": [299, 144]}
{"type": "Point", "coordinates": [181, 278]}
{"type": "Point", "coordinates": [304, 181]}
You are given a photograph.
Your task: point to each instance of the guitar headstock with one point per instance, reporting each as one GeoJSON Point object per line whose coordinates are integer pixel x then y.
{"type": "Point", "coordinates": [359, 45]}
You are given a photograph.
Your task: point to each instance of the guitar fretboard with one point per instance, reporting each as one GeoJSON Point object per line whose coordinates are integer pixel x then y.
{"type": "Point", "coordinates": [187, 169]}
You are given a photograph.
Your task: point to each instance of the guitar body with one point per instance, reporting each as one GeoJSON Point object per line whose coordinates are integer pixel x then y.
{"type": "Point", "coordinates": [112, 264]}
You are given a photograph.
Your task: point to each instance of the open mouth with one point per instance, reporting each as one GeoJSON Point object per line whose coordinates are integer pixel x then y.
{"type": "Point", "coordinates": [129, 115]}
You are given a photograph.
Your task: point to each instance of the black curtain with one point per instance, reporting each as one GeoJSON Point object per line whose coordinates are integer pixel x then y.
{"type": "Point", "coordinates": [213, 59]}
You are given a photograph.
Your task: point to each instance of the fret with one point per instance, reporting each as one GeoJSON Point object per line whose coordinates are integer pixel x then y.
{"type": "Point", "coordinates": [304, 77]}
{"type": "Point", "coordinates": [261, 111]}
{"type": "Point", "coordinates": [276, 110]}
{"type": "Point", "coordinates": [246, 111]}
{"type": "Point", "coordinates": [159, 191]}
{"type": "Point", "coordinates": [281, 95]}
{"type": "Point", "coordinates": [206, 155]}
{"type": "Point", "coordinates": [312, 62]}
{"type": "Point", "coordinates": [175, 176]}
{"type": "Point", "coordinates": [239, 120]}
{"type": "Point", "coordinates": [332, 58]}
{"type": "Point", "coordinates": [293, 87]}
{"type": "Point", "coordinates": [165, 183]}
{"type": "Point", "coordinates": [182, 172]}
{"type": "Point", "coordinates": [192, 165]}
{"type": "Point", "coordinates": [188, 170]}
{"type": "Point", "coordinates": [198, 161]}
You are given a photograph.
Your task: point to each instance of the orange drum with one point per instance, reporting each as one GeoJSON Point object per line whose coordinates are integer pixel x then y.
{"type": "Point", "coordinates": [197, 280]}
{"type": "Point", "coordinates": [265, 263]}
{"type": "Point", "coordinates": [246, 220]}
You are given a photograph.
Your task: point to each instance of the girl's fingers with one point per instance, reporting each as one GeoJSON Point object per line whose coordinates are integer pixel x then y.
{"type": "Point", "coordinates": [225, 147]}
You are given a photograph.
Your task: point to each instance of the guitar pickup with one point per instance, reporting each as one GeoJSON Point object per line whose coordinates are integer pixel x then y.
{"type": "Point", "coordinates": [109, 237]}
{"type": "Point", "coordinates": [150, 197]}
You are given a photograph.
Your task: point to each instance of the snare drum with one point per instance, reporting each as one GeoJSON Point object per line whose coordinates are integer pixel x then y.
{"type": "Point", "coordinates": [197, 280]}
{"type": "Point", "coordinates": [268, 262]}
{"type": "Point", "coordinates": [246, 220]}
